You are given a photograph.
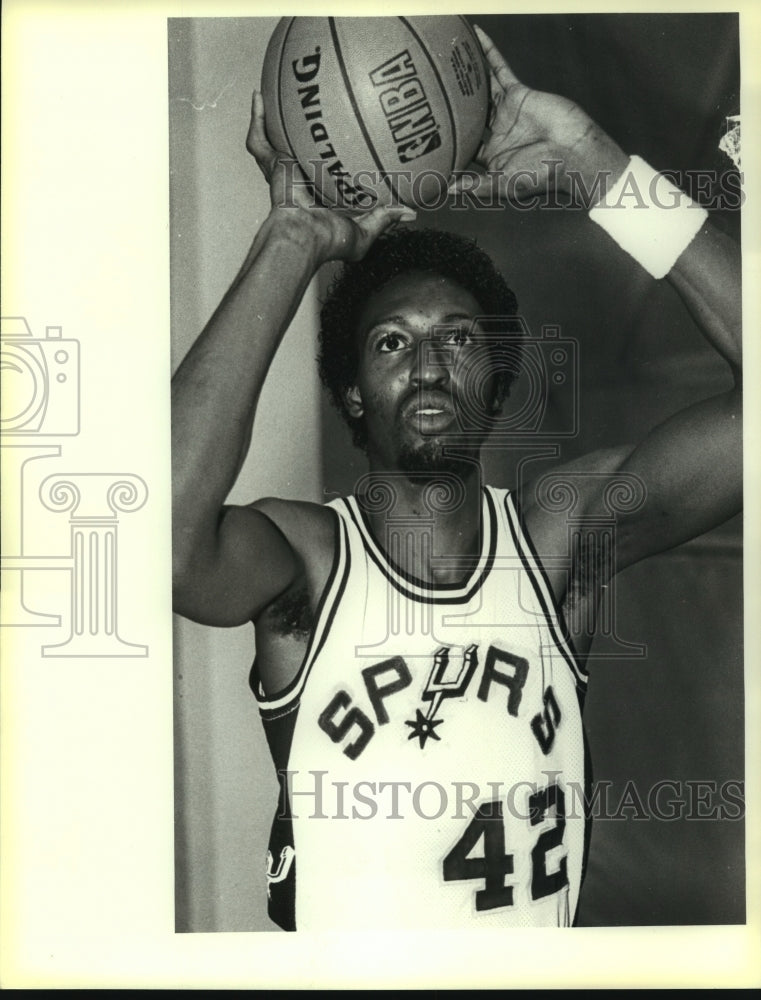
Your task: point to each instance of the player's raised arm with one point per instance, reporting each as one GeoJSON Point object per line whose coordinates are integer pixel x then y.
{"type": "Point", "coordinates": [691, 465]}
{"type": "Point", "coordinates": [230, 562]}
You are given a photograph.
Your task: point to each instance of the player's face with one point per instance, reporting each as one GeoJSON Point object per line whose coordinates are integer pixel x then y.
{"type": "Point", "coordinates": [417, 342]}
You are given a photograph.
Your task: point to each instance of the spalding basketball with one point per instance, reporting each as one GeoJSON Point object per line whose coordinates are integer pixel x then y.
{"type": "Point", "coordinates": [376, 110]}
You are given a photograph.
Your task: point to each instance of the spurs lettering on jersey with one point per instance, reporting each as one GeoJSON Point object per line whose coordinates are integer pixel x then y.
{"type": "Point", "coordinates": [352, 726]}
{"type": "Point", "coordinates": [399, 727]}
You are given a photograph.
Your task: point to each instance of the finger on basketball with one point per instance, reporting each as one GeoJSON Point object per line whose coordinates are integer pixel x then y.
{"type": "Point", "coordinates": [480, 156]}
{"type": "Point", "coordinates": [473, 183]}
{"type": "Point", "coordinates": [466, 181]}
{"type": "Point", "coordinates": [497, 63]}
{"type": "Point", "coordinates": [374, 222]}
{"type": "Point", "coordinates": [256, 141]}
{"type": "Point", "coordinates": [486, 136]}
{"type": "Point", "coordinates": [496, 93]}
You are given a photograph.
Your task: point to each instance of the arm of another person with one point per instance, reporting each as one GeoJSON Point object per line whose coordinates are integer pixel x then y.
{"type": "Point", "coordinates": [691, 464]}
{"type": "Point", "coordinates": [230, 562]}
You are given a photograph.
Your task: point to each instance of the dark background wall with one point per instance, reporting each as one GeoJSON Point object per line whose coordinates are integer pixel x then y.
{"type": "Point", "coordinates": [672, 710]}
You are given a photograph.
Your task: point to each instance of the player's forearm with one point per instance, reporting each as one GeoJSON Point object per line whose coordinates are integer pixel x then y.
{"type": "Point", "coordinates": [216, 388]}
{"type": "Point", "coordinates": [661, 229]}
{"type": "Point", "coordinates": [708, 278]}
{"type": "Point", "coordinates": [592, 165]}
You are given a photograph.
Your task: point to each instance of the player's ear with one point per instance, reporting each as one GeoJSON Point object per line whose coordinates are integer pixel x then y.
{"type": "Point", "coordinates": [501, 392]}
{"type": "Point", "coordinates": [353, 401]}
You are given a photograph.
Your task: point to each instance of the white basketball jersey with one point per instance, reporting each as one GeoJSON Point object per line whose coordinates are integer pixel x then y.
{"type": "Point", "coordinates": [430, 750]}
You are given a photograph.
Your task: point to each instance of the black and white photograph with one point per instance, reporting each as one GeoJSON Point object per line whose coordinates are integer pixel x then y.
{"type": "Point", "coordinates": [475, 384]}
{"type": "Point", "coordinates": [378, 590]}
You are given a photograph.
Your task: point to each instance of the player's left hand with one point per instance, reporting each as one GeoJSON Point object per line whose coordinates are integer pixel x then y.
{"type": "Point", "coordinates": [535, 138]}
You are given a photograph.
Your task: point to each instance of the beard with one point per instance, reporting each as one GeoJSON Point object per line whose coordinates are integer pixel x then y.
{"type": "Point", "coordinates": [432, 458]}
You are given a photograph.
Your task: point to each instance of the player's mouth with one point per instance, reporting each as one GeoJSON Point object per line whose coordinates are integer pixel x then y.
{"type": "Point", "coordinates": [429, 412]}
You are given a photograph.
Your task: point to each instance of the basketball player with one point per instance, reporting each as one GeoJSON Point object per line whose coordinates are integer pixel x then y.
{"type": "Point", "coordinates": [420, 687]}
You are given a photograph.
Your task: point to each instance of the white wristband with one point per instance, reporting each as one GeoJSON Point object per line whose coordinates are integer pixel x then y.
{"type": "Point", "coordinates": [649, 217]}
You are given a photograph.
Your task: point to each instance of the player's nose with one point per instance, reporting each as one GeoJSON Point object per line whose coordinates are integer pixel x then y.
{"type": "Point", "coordinates": [432, 364]}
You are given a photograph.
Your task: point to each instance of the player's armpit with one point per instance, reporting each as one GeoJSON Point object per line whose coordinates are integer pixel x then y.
{"type": "Point", "coordinates": [227, 580]}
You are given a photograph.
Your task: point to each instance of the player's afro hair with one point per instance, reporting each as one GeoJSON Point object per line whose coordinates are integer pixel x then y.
{"type": "Point", "coordinates": [394, 253]}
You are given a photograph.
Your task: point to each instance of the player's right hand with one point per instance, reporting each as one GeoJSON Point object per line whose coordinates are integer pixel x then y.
{"type": "Point", "coordinates": [337, 233]}
{"type": "Point", "coordinates": [535, 140]}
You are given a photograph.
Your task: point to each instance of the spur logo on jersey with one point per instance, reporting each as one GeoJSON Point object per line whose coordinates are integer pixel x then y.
{"type": "Point", "coordinates": [439, 687]}
{"type": "Point", "coordinates": [349, 724]}
{"type": "Point", "coordinates": [280, 873]}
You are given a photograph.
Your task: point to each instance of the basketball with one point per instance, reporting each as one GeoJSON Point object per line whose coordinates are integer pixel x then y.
{"type": "Point", "coordinates": [376, 110]}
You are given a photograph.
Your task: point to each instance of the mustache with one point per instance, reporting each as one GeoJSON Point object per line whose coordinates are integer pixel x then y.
{"type": "Point", "coordinates": [427, 399]}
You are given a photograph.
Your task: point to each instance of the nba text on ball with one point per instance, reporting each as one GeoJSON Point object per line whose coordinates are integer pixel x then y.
{"type": "Point", "coordinates": [414, 130]}
{"type": "Point", "coordinates": [406, 109]}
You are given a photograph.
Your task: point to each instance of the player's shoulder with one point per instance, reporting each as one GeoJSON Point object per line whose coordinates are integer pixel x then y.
{"type": "Point", "coordinates": [297, 510]}
{"type": "Point", "coordinates": [582, 476]}
{"type": "Point", "coordinates": [574, 488]}
{"type": "Point", "coordinates": [555, 498]}
{"type": "Point", "coordinates": [306, 525]}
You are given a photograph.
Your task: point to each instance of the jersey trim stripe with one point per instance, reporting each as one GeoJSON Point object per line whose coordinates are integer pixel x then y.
{"type": "Point", "coordinates": [533, 567]}
{"type": "Point", "coordinates": [271, 707]}
{"type": "Point", "coordinates": [417, 590]}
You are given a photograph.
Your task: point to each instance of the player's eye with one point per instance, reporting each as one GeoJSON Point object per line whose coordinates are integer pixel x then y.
{"type": "Point", "coordinates": [460, 336]}
{"type": "Point", "coordinates": [389, 342]}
